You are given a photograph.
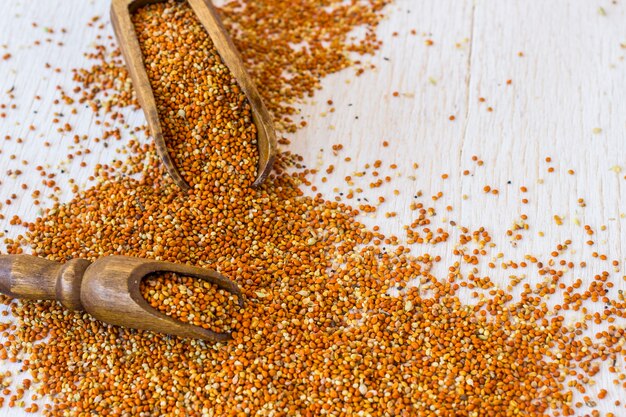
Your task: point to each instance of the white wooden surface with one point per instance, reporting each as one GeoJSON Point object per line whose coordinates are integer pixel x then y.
{"type": "Point", "coordinates": [570, 82]}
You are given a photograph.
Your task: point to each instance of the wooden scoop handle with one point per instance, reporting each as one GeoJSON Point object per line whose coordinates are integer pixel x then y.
{"type": "Point", "coordinates": [35, 278]}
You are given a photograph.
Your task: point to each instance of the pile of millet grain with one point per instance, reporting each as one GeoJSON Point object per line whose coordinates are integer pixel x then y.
{"type": "Point", "coordinates": [321, 333]}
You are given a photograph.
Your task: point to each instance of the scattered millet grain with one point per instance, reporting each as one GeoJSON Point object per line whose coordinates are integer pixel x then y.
{"type": "Point", "coordinates": [320, 333]}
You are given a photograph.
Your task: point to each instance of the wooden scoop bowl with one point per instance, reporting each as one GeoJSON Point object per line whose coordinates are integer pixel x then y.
{"type": "Point", "coordinates": [108, 289]}
{"type": "Point", "coordinates": [121, 11]}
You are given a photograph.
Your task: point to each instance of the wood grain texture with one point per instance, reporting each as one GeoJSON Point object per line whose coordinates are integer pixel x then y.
{"type": "Point", "coordinates": [29, 277]}
{"type": "Point", "coordinates": [569, 83]}
{"type": "Point", "coordinates": [69, 281]}
{"type": "Point", "coordinates": [34, 278]}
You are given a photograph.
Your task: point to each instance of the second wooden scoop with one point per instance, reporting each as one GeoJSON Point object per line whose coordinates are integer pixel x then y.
{"type": "Point", "coordinates": [125, 32]}
{"type": "Point", "coordinates": [108, 289]}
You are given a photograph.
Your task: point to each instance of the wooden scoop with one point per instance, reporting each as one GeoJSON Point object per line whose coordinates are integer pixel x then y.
{"type": "Point", "coordinates": [125, 32]}
{"type": "Point", "coordinates": [108, 289]}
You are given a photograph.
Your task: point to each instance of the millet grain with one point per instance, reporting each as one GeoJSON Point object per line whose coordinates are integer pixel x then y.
{"type": "Point", "coordinates": [191, 301]}
{"type": "Point", "coordinates": [320, 333]}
